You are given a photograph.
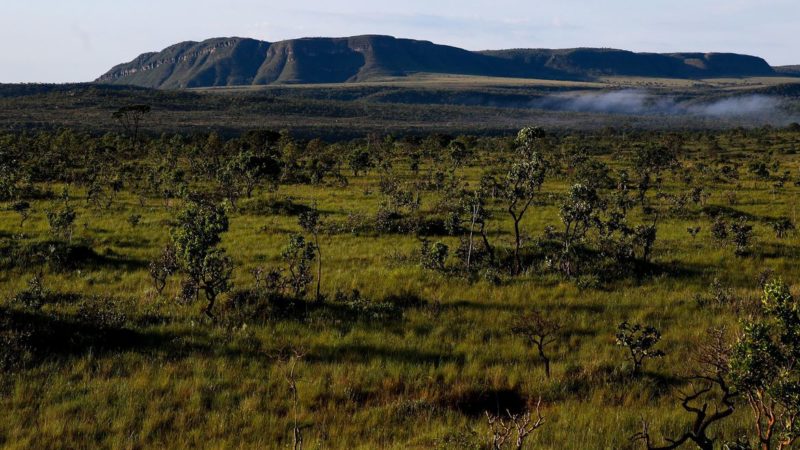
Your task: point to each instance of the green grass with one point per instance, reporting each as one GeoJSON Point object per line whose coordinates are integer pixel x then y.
{"type": "Point", "coordinates": [409, 384]}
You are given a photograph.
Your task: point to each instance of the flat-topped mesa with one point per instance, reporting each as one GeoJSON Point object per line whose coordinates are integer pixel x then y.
{"type": "Point", "coordinates": [241, 61]}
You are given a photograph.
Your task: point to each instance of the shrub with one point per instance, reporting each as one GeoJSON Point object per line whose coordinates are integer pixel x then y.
{"type": "Point", "coordinates": [163, 267]}
{"type": "Point", "coordinates": [195, 237]}
{"type": "Point", "coordinates": [15, 344]}
{"type": "Point", "coordinates": [741, 235]}
{"type": "Point", "coordinates": [782, 227]}
{"type": "Point", "coordinates": [299, 256]}
{"type": "Point", "coordinates": [364, 309]}
{"type": "Point", "coordinates": [764, 367]}
{"type": "Point", "coordinates": [719, 229]}
{"type": "Point", "coordinates": [134, 220]}
{"type": "Point", "coordinates": [62, 222]}
{"type": "Point", "coordinates": [433, 256]}
{"type": "Point", "coordinates": [34, 296]}
{"type": "Point", "coordinates": [639, 341]}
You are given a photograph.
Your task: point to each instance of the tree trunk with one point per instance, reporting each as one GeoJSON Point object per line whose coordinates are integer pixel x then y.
{"type": "Point", "coordinates": [475, 211]}
{"type": "Point", "coordinates": [486, 243]}
{"type": "Point", "coordinates": [517, 244]}
{"type": "Point", "coordinates": [546, 361]}
{"type": "Point", "coordinates": [319, 268]}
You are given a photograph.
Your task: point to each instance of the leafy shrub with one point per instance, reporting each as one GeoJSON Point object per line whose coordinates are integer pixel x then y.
{"type": "Point", "coordinates": [433, 256]}
{"type": "Point", "coordinates": [62, 222]}
{"type": "Point", "coordinates": [587, 282]}
{"type": "Point", "coordinates": [639, 341]}
{"type": "Point", "coordinates": [134, 220]}
{"type": "Point", "coordinates": [163, 267]}
{"type": "Point", "coordinates": [741, 235]}
{"type": "Point", "coordinates": [195, 237]}
{"type": "Point", "coordinates": [719, 229]}
{"type": "Point", "coordinates": [34, 296]}
{"type": "Point", "coordinates": [364, 309]}
{"type": "Point", "coordinates": [299, 256]}
{"type": "Point", "coordinates": [15, 344]}
{"type": "Point", "coordinates": [782, 227]}
{"type": "Point", "coordinates": [103, 312]}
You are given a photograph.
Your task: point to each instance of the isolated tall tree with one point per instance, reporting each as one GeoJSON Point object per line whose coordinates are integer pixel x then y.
{"type": "Point", "coordinates": [523, 180]}
{"type": "Point", "coordinates": [540, 332]}
{"type": "Point", "coordinates": [130, 118]}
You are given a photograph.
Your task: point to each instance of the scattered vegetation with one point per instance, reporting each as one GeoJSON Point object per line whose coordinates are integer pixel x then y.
{"type": "Point", "coordinates": [392, 292]}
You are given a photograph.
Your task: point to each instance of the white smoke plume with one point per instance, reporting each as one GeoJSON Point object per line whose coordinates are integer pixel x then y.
{"type": "Point", "coordinates": [636, 102]}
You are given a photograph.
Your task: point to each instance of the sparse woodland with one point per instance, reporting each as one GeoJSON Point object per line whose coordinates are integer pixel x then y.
{"type": "Point", "coordinates": [546, 289]}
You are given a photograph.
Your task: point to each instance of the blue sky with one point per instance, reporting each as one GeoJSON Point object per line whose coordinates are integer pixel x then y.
{"type": "Point", "coordinates": [77, 40]}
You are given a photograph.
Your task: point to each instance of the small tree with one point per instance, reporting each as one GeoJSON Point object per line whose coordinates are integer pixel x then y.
{"type": "Point", "coordinates": [291, 358]}
{"type": "Point", "coordinates": [650, 161]}
{"type": "Point", "coordinates": [130, 118]}
{"type": "Point", "coordinates": [639, 341]}
{"type": "Point", "coordinates": [782, 227]}
{"type": "Point", "coordinates": [579, 214]}
{"type": "Point", "coordinates": [299, 256]}
{"type": "Point", "coordinates": [764, 367]}
{"type": "Point", "coordinates": [741, 235]}
{"type": "Point", "coordinates": [359, 161]}
{"type": "Point", "coordinates": [478, 215]}
{"type": "Point", "coordinates": [62, 220]}
{"type": "Point", "coordinates": [163, 267]}
{"type": "Point", "coordinates": [644, 237]}
{"type": "Point", "coordinates": [709, 386]}
{"type": "Point", "coordinates": [309, 221]}
{"type": "Point", "coordinates": [433, 256]}
{"type": "Point", "coordinates": [523, 180]}
{"type": "Point", "coordinates": [513, 426]}
{"type": "Point", "coordinates": [719, 229]}
{"type": "Point", "coordinates": [35, 295]}
{"type": "Point", "coordinates": [196, 237]}
{"type": "Point", "coordinates": [539, 332]}
{"type": "Point", "coordinates": [23, 208]}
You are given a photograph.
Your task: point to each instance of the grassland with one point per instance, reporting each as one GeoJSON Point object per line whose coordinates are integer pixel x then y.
{"type": "Point", "coordinates": [165, 376]}
{"type": "Point", "coordinates": [417, 105]}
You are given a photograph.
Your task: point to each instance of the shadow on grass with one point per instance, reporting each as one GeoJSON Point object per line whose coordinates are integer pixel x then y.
{"type": "Point", "coordinates": [670, 269]}
{"type": "Point", "coordinates": [66, 256]}
{"type": "Point", "coordinates": [764, 250]}
{"type": "Point", "coordinates": [358, 353]}
{"type": "Point", "coordinates": [343, 312]}
{"type": "Point", "coordinates": [580, 382]}
{"type": "Point", "coordinates": [475, 403]}
{"type": "Point", "coordinates": [733, 213]}
{"type": "Point", "coordinates": [45, 336]}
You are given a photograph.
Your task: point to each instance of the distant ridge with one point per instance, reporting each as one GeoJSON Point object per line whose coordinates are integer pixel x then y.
{"type": "Point", "coordinates": [788, 70]}
{"type": "Point", "coordinates": [241, 61]}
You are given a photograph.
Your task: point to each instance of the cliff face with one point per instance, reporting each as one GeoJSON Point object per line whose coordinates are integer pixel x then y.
{"type": "Point", "coordinates": [215, 62]}
{"type": "Point", "coordinates": [241, 61]}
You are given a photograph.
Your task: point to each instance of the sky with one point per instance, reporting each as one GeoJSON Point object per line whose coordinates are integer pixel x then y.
{"type": "Point", "coordinates": [78, 40]}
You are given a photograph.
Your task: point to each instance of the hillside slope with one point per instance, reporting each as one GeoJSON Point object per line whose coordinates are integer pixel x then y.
{"type": "Point", "coordinates": [612, 62]}
{"type": "Point", "coordinates": [241, 61]}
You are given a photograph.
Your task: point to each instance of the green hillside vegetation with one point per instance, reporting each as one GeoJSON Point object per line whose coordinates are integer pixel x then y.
{"type": "Point", "coordinates": [421, 104]}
